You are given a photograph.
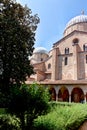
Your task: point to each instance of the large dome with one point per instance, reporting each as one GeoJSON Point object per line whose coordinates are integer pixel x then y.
{"type": "Point", "coordinates": [40, 50]}
{"type": "Point", "coordinates": [78, 19]}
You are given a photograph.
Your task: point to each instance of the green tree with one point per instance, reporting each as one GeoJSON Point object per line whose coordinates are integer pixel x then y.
{"type": "Point", "coordinates": [28, 102]}
{"type": "Point", "coordinates": [17, 38]}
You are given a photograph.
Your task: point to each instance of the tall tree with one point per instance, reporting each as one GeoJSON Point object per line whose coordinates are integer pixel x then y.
{"type": "Point", "coordinates": [28, 102]}
{"type": "Point", "coordinates": [17, 38]}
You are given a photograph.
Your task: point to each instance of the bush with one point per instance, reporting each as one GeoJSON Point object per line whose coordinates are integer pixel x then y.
{"type": "Point", "coordinates": [2, 111]}
{"type": "Point", "coordinates": [8, 122]}
{"type": "Point", "coordinates": [62, 118]}
{"type": "Point", "coordinates": [77, 115]}
{"type": "Point", "coordinates": [28, 102]}
{"type": "Point", "coordinates": [4, 100]}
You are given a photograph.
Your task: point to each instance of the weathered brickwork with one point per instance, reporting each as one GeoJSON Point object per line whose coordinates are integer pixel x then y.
{"type": "Point", "coordinates": [65, 64]}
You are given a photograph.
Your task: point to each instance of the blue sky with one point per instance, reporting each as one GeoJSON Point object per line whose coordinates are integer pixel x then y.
{"type": "Point", "coordinates": [54, 15]}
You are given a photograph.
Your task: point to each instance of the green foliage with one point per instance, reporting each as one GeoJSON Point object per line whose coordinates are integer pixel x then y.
{"type": "Point", "coordinates": [4, 99]}
{"type": "Point", "coordinates": [28, 102]}
{"type": "Point", "coordinates": [17, 37]}
{"type": "Point", "coordinates": [8, 122]}
{"type": "Point", "coordinates": [62, 118]}
{"type": "Point", "coordinates": [2, 111]}
{"type": "Point", "coordinates": [77, 115]}
{"type": "Point", "coordinates": [54, 103]}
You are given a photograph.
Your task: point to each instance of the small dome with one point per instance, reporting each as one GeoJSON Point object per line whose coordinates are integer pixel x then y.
{"type": "Point", "coordinates": [78, 19]}
{"type": "Point", "coordinates": [40, 50]}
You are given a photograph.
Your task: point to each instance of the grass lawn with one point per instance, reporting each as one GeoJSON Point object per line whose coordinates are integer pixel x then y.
{"type": "Point", "coordinates": [63, 116]}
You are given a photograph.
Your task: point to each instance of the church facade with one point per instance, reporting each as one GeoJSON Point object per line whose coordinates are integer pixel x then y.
{"type": "Point", "coordinates": [64, 68]}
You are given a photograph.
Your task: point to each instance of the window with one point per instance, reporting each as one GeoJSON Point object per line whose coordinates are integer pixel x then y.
{"type": "Point", "coordinates": [49, 66]}
{"type": "Point", "coordinates": [75, 41]}
{"type": "Point", "coordinates": [86, 58]}
{"type": "Point", "coordinates": [66, 60]}
{"type": "Point", "coordinates": [85, 47]}
{"type": "Point", "coordinates": [66, 50]}
{"type": "Point", "coordinates": [41, 59]}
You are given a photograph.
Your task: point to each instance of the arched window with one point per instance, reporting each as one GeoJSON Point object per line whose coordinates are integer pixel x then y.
{"type": "Point", "coordinates": [66, 60]}
{"type": "Point", "coordinates": [49, 66]}
{"type": "Point", "coordinates": [66, 50]}
{"type": "Point", "coordinates": [85, 47]}
{"type": "Point", "coordinates": [75, 41]}
{"type": "Point", "coordinates": [41, 59]}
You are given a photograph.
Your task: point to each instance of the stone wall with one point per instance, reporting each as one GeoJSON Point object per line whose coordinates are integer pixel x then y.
{"type": "Point", "coordinates": [83, 126]}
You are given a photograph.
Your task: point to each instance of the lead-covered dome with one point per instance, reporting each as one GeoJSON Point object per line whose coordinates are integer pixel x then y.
{"type": "Point", "coordinates": [78, 19]}
{"type": "Point", "coordinates": [40, 50]}
{"type": "Point", "coordinates": [78, 23]}
{"type": "Point", "coordinates": [40, 54]}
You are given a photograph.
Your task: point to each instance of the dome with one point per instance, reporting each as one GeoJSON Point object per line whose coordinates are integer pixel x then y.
{"type": "Point", "coordinates": [40, 50]}
{"type": "Point", "coordinates": [78, 19]}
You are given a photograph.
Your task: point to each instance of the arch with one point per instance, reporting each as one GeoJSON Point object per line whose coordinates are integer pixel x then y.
{"type": "Point", "coordinates": [66, 50]}
{"type": "Point", "coordinates": [69, 75]}
{"type": "Point", "coordinates": [75, 40]}
{"type": "Point", "coordinates": [49, 66]}
{"type": "Point", "coordinates": [52, 92]}
{"type": "Point", "coordinates": [77, 95]}
{"type": "Point", "coordinates": [63, 94]}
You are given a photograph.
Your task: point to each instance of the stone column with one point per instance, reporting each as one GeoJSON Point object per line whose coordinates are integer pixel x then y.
{"type": "Point", "coordinates": [84, 97]}
{"type": "Point", "coordinates": [70, 90]}
{"type": "Point", "coordinates": [57, 90]}
{"type": "Point", "coordinates": [75, 60]}
{"type": "Point", "coordinates": [69, 97]}
{"type": "Point", "coordinates": [55, 52]}
{"type": "Point", "coordinates": [85, 91]}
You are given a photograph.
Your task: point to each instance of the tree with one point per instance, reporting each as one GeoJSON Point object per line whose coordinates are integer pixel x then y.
{"type": "Point", "coordinates": [17, 37]}
{"type": "Point", "coordinates": [28, 102]}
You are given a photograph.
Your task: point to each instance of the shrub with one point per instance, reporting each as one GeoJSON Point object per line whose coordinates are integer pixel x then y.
{"type": "Point", "coordinates": [77, 115]}
{"type": "Point", "coordinates": [28, 102]}
{"type": "Point", "coordinates": [2, 111]}
{"type": "Point", "coordinates": [4, 100]}
{"type": "Point", "coordinates": [62, 118]}
{"type": "Point", "coordinates": [8, 122]}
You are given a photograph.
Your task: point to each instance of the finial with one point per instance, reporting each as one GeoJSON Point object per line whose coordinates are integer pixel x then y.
{"type": "Point", "coordinates": [82, 12]}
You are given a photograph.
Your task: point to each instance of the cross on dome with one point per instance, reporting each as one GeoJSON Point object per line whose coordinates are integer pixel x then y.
{"type": "Point", "coordinates": [82, 12]}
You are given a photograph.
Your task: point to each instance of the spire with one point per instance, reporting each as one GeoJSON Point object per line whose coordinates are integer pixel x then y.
{"type": "Point", "coordinates": [82, 12]}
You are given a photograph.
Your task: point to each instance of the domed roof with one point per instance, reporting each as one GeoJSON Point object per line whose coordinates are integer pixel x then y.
{"type": "Point", "coordinates": [40, 50]}
{"type": "Point", "coordinates": [77, 19]}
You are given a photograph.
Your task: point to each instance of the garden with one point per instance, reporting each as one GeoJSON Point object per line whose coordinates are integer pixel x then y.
{"type": "Point", "coordinates": [60, 116]}
{"type": "Point", "coordinates": [27, 107]}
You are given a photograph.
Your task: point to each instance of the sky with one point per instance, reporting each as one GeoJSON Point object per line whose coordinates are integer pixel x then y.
{"type": "Point", "coordinates": [54, 15]}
